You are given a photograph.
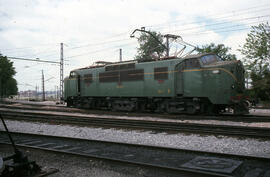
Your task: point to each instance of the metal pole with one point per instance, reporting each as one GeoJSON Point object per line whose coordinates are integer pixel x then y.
{"type": "Point", "coordinates": [120, 55]}
{"type": "Point", "coordinates": [10, 138]}
{"type": "Point", "coordinates": [43, 87]}
{"type": "Point", "coordinates": [56, 92]}
{"type": "Point", "coordinates": [61, 71]}
{"type": "Point", "coordinates": [170, 36]}
{"type": "Point", "coordinates": [36, 95]}
{"type": "Point", "coordinates": [167, 45]}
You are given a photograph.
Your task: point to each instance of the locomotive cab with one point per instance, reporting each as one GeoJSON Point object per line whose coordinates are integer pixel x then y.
{"type": "Point", "coordinates": [217, 84]}
{"type": "Point", "coordinates": [71, 87]}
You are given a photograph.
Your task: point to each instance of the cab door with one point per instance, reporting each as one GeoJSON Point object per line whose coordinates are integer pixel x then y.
{"type": "Point", "coordinates": [188, 78]}
{"type": "Point", "coordinates": [179, 83]}
{"type": "Point", "coordinates": [78, 85]}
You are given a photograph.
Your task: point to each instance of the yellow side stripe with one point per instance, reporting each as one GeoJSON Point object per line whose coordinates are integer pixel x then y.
{"type": "Point", "coordinates": [209, 69]}
{"type": "Point", "coordinates": [169, 72]}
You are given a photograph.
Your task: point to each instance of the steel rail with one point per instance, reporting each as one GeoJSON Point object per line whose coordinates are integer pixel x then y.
{"type": "Point", "coordinates": [188, 162]}
{"type": "Point", "coordinates": [222, 117]}
{"type": "Point", "coordinates": [255, 132]}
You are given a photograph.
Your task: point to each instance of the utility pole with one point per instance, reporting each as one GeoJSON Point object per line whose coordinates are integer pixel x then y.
{"type": "Point", "coordinates": [168, 47]}
{"type": "Point", "coordinates": [36, 92]}
{"type": "Point", "coordinates": [57, 92]}
{"type": "Point", "coordinates": [61, 71]}
{"type": "Point", "coordinates": [43, 87]}
{"type": "Point", "coordinates": [168, 36]}
{"type": "Point", "coordinates": [120, 55]}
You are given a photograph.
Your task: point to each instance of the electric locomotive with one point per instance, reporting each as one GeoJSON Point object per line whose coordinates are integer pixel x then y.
{"type": "Point", "coordinates": [201, 83]}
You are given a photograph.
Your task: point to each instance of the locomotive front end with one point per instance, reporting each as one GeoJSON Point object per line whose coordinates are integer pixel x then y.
{"type": "Point", "coordinates": [230, 85]}
{"type": "Point", "coordinates": [238, 97]}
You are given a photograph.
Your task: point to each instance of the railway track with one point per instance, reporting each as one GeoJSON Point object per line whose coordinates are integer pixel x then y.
{"type": "Point", "coordinates": [163, 126]}
{"type": "Point", "coordinates": [222, 117]}
{"type": "Point", "coordinates": [178, 161]}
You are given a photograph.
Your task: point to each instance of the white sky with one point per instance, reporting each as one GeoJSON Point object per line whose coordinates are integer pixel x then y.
{"type": "Point", "coordinates": [35, 29]}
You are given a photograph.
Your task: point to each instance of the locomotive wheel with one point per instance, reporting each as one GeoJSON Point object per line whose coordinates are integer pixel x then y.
{"type": "Point", "coordinates": [191, 109]}
{"type": "Point", "coordinates": [124, 106]}
{"type": "Point", "coordinates": [69, 103]}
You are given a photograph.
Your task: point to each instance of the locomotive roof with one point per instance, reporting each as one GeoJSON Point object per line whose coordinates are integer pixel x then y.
{"type": "Point", "coordinates": [197, 55]}
{"type": "Point", "coordinates": [104, 63]}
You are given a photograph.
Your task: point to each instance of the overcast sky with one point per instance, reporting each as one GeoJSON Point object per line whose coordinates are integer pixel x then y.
{"type": "Point", "coordinates": [94, 30]}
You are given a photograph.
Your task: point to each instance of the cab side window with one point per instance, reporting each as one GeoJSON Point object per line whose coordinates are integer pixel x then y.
{"type": "Point", "coordinates": [161, 73]}
{"type": "Point", "coordinates": [191, 63]}
{"type": "Point", "coordinates": [88, 78]}
{"type": "Point", "coordinates": [208, 59]}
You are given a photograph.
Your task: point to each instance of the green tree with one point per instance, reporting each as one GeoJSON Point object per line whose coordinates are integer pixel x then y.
{"type": "Point", "coordinates": [261, 84]}
{"type": "Point", "coordinates": [257, 56]}
{"type": "Point", "coordinates": [150, 47]}
{"type": "Point", "coordinates": [11, 88]}
{"type": "Point", "coordinates": [8, 84]}
{"type": "Point", "coordinates": [220, 50]}
{"type": "Point", "coordinates": [257, 48]}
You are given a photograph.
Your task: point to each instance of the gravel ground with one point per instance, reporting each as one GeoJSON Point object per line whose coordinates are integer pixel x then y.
{"type": "Point", "coordinates": [263, 112]}
{"type": "Point", "coordinates": [71, 166]}
{"type": "Point", "coordinates": [223, 144]}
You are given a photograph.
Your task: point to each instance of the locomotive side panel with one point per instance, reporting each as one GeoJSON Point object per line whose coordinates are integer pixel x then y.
{"type": "Point", "coordinates": [212, 86]}
{"type": "Point", "coordinates": [193, 84]}
{"type": "Point", "coordinates": [159, 79]}
{"type": "Point", "coordinates": [120, 83]}
{"type": "Point", "coordinates": [152, 79]}
{"type": "Point", "coordinates": [89, 82]}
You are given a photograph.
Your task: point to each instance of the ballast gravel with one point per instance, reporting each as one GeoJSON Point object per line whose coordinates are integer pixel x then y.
{"type": "Point", "coordinates": [73, 166]}
{"type": "Point", "coordinates": [222, 144]}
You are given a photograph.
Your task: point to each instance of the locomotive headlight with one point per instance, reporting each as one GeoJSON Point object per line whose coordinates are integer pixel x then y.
{"type": "Point", "coordinates": [215, 71]}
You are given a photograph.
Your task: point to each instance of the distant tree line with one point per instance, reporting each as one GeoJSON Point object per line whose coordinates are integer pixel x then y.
{"type": "Point", "coordinates": [8, 85]}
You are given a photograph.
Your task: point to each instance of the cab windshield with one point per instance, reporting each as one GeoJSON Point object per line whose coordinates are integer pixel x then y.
{"type": "Point", "coordinates": [209, 59]}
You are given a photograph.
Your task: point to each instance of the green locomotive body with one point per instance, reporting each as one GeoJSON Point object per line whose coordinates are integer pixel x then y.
{"type": "Point", "coordinates": [195, 84]}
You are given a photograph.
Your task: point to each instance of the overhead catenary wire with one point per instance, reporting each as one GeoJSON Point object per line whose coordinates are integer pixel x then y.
{"type": "Point", "coordinates": [205, 31]}
{"type": "Point", "coordinates": [37, 60]}
{"type": "Point", "coordinates": [235, 12]}
{"type": "Point", "coordinates": [36, 54]}
{"type": "Point", "coordinates": [29, 47]}
{"type": "Point", "coordinates": [225, 16]}
{"type": "Point", "coordinates": [213, 24]}
{"type": "Point", "coordinates": [100, 50]}
{"type": "Point", "coordinates": [221, 30]}
{"type": "Point", "coordinates": [122, 34]}
{"type": "Point", "coordinates": [96, 44]}
{"type": "Point", "coordinates": [221, 23]}
{"type": "Point", "coordinates": [240, 11]}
